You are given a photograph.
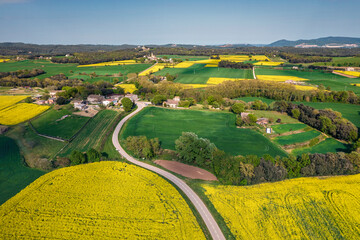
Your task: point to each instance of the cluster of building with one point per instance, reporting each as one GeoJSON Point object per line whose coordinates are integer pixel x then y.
{"type": "Point", "coordinates": [113, 99]}
{"type": "Point", "coordinates": [51, 100]}
{"type": "Point", "coordinates": [173, 103]}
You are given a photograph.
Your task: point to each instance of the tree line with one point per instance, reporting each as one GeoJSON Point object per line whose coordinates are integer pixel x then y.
{"type": "Point", "coordinates": [23, 73]}
{"type": "Point", "coordinates": [235, 65]}
{"type": "Point", "coordinates": [296, 58]}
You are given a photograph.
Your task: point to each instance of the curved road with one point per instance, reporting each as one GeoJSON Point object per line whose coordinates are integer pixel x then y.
{"type": "Point", "coordinates": [209, 220]}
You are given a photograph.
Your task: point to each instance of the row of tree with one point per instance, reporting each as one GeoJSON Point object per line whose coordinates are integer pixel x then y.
{"type": "Point", "coordinates": [296, 58]}
{"type": "Point", "coordinates": [325, 120]}
{"type": "Point", "coordinates": [23, 73]}
{"type": "Point", "coordinates": [236, 65]}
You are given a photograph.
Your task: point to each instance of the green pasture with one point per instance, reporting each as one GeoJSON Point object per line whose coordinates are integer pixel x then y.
{"type": "Point", "coordinates": [14, 175]}
{"type": "Point", "coordinates": [218, 127]}
{"type": "Point", "coordinates": [49, 123]}
{"type": "Point", "coordinates": [199, 74]}
{"type": "Point", "coordinates": [297, 138]}
{"type": "Point", "coordinates": [91, 136]}
{"type": "Point", "coordinates": [328, 145]}
{"type": "Point", "coordinates": [283, 128]}
{"type": "Point", "coordinates": [274, 115]}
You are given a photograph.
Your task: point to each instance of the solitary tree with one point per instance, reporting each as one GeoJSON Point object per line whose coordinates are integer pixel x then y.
{"type": "Point", "coordinates": [237, 108]}
{"type": "Point", "coordinates": [93, 155]}
{"type": "Point", "coordinates": [127, 104]}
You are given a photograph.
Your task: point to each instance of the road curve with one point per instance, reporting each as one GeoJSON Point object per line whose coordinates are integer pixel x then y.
{"type": "Point", "coordinates": [205, 214]}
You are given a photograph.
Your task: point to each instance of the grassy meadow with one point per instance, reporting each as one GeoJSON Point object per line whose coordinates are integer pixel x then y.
{"type": "Point", "coordinates": [218, 127]}
{"type": "Point", "coordinates": [283, 128]}
{"type": "Point", "coordinates": [50, 124]}
{"type": "Point", "coordinates": [297, 138]}
{"type": "Point", "coordinates": [14, 175]}
{"type": "Point", "coordinates": [328, 145]}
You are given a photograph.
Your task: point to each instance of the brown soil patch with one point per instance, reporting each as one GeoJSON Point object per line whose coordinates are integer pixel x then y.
{"type": "Point", "coordinates": [344, 75]}
{"type": "Point", "coordinates": [89, 113]}
{"type": "Point", "coordinates": [186, 170]}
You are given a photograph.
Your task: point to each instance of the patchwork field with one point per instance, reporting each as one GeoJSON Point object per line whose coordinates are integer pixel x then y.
{"type": "Point", "coordinates": [14, 176]}
{"type": "Point", "coordinates": [283, 128]}
{"type": "Point", "coordinates": [267, 63]}
{"type": "Point", "coordinates": [316, 77]}
{"type": "Point", "coordinates": [199, 74]}
{"type": "Point", "coordinates": [304, 208]}
{"type": "Point", "coordinates": [20, 112]}
{"type": "Point", "coordinates": [350, 73]}
{"type": "Point", "coordinates": [279, 78]}
{"type": "Point", "coordinates": [92, 135]}
{"type": "Point", "coordinates": [50, 123]}
{"type": "Point", "coordinates": [340, 61]}
{"type": "Point", "coordinates": [328, 145]}
{"type": "Point", "coordinates": [218, 127]}
{"type": "Point", "coordinates": [216, 80]}
{"type": "Point", "coordinates": [297, 138]}
{"type": "Point", "coordinates": [112, 63]}
{"type": "Point", "coordinates": [106, 200]}
{"type": "Point", "coordinates": [155, 68]}
{"type": "Point", "coordinates": [185, 57]}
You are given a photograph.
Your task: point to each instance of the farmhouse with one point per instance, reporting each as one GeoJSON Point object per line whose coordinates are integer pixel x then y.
{"type": "Point", "coordinates": [115, 96]}
{"type": "Point", "coordinates": [244, 115]}
{"type": "Point", "coordinates": [106, 102]}
{"type": "Point", "coordinates": [133, 97]}
{"type": "Point", "coordinates": [81, 105]}
{"type": "Point", "coordinates": [262, 121]}
{"type": "Point", "coordinates": [173, 103]}
{"type": "Point", "coordinates": [95, 99]}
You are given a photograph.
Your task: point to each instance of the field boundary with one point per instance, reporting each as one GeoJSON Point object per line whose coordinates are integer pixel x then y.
{"type": "Point", "coordinates": [46, 136]}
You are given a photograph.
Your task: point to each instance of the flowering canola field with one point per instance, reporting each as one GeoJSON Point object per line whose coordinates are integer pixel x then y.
{"type": "Point", "coordinates": [351, 73]}
{"type": "Point", "coordinates": [279, 78]}
{"type": "Point", "coordinates": [127, 87]}
{"type": "Point", "coordinates": [7, 101]}
{"type": "Point", "coordinates": [154, 68]}
{"type": "Point", "coordinates": [304, 208]}
{"type": "Point", "coordinates": [185, 64]}
{"type": "Point", "coordinates": [106, 200]}
{"type": "Point", "coordinates": [4, 60]}
{"type": "Point", "coordinates": [218, 80]}
{"type": "Point", "coordinates": [267, 63]}
{"type": "Point", "coordinates": [113, 63]}
{"type": "Point", "coordinates": [20, 112]}
{"type": "Point", "coordinates": [305, 88]}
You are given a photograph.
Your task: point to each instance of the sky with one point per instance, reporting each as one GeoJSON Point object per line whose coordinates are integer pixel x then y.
{"type": "Point", "coordinates": [142, 22]}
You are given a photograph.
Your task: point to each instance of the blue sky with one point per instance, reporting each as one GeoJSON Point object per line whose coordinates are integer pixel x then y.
{"type": "Point", "coordinates": [182, 21]}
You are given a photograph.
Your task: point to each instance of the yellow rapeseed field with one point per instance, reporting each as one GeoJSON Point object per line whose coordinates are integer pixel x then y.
{"type": "Point", "coordinates": [267, 63]}
{"type": "Point", "coordinates": [305, 88]}
{"type": "Point", "coordinates": [356, 84]}
{"type": "Point", "coordinates": [7, 101]}
{"type": "Point", "coordinates": [20, 112]}
{"type": "Point", "coordinates": [351, 73]}
{"type": "Point", "coordinates": [4, 60]}
{"type": "Point", "coordinates": [218, 80]}
{"type": "Point", "coordinates": [105, 200]}
{"type": "Point", "coordinates": [188, 86]}
{"type": "Point", "coordinates": [279, 78]}
{"type": "Point", "coordinates": [185, 64]}
{"type": "Point", "coordinates": [304, 208]}
{"type": "Point", "coordinates": [127, 87]}
{"type": "Point", "coordinates": [113, 63]}
{"type": "Point", "coordinates": [154, 68]}
{"type": "Point", "coordinates": [211, 65]}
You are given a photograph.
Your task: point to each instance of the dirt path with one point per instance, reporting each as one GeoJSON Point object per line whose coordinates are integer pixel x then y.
{"type": "Point", "coordinates": [343, 74]}
{"type": "Point", "coordinates": [186, 170]}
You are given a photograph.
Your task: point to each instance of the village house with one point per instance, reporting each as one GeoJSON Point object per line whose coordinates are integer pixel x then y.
{"type": "Point", "coordinates": [106, 102]}
{"type": "Point", "coordinates": [54, 92]}
{"type": "Point", "coordinates": [115, 96]}
{"type": "Point", "coordinates": [40, 102]}
{"type": "Point", "coordinates": [133, 97]}
{"type": "Point", "coordinates": [173, 103]}
{"type": "Point", "coordinates": [80, 105]}
{"type": "Point", "coordinates": [262, 121]}
{"type": "Point", "coordinates": [244, 115]}
{"type": "Point", "coordinates": [95, 99]}
{"type": "Point", "coordinates": [51, 100]}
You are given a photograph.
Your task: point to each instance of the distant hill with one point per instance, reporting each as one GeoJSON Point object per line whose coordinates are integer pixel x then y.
{"type": "Point", "coordinates": [319, 42]}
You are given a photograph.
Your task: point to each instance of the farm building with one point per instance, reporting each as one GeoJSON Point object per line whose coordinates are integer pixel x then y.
{"type": "Point", "coordinates": [106, 102]}
{"type": "Point", "coordinates": [133, 97]}
{"type": "Point", "coordinates": [262, 121]}
{"type": "Point", "coordinates": [173, 103]}
{"type": "Point", "coordinates": [81, 105]}
{"type": "Point", "coordinates": [115, 96]}
{"type": "Point", "coordinates": [95, 99]}
{"type": "Point", "coordinates": [244, 115]}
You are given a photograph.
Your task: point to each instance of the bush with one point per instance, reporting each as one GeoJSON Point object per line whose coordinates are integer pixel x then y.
{"type": "Point", "coordinates": [237, 108]}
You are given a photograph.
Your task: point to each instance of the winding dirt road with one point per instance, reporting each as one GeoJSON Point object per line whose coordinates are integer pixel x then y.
{"type": "Point", "coordinates": [205, 214]}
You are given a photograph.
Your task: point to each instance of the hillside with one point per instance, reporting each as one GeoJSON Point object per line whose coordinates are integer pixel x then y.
{"type": "Point", "coordinates": [319, 41]}
{"type": "Point", "coordinates": [106, 200]}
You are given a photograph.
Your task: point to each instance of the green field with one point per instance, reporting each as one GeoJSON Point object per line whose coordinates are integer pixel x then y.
{"type": "Point", "coordinates": [93, 134]}
{"type": "Point", "coordinates": [218, 127]}
{"type": "Point", "coordinates": [297, 138]}
{"type": "Point", "coordinates": [328, 145]}
{"type": "Point", "coordinates": [72, 71]}
{"type": "Point", "coordinates": [252, 99]}
{"type": "Point", "coordinates": [283, 128]}
{"type": "Point", "coordinates": [348, 111]}
{"type": "Point", "coordinates": [339, 61]}
{"type": "Point", "coordinates": [199, 74]}
{"type": "Point", "coordinates": [108, 70]}
{"type": "Point", "coordinates": [47, 123]}
{"type": "Point", "coordinates": [185, 57]}
{"type": "Point", "coordinates": [274, 115]}
{"type": "Point", "coordinates": [14, 176]}
{"type": "Point", "coordinates": [316, 77]}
